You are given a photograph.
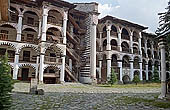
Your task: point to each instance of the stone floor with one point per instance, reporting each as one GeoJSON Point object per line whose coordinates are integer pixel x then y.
{"type": "Point", "coordinates": [72, 96]}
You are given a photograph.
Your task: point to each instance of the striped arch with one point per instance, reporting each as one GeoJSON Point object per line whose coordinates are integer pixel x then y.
{"type": "Point", "coordinates": [28, 45]}
{"type": "Point", "coordinates": [53, 26]}
{"type": "Point", "coordinates": [56, 9]}
{"type": "Point", "coordinates": [55, 67]}
{"type": "Point", "coordinates": [29, 65]}
{"type": "Point", "coordinates": [14, 25]}
{"type": "Point", "coordinates": [29, 27]}
{"type": "Point", "coordinates": [32, 10]}
{"type": "Point", "coordinates": [8, 44]}
{"type": "Point", "coordinates": [58, 49]}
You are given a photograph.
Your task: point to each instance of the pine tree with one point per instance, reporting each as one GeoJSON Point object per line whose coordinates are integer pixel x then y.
{"type": "Point", "coordinates": [155, 75]}
{"type": "Point", "coordinates": [113, 78]}
{"type": "Point", "coordinates": [6, 83]}
{"type": "Point", "coordinates": [136, 79]}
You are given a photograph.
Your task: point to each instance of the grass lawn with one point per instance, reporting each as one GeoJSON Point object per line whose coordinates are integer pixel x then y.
{"type": "Point", "coordinates": [145, 85]}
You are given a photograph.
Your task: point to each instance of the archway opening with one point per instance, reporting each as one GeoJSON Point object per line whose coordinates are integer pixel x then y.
{"type": "Point", "coordinates": [54, 35]}
{"type": "Point", "coordinates": [55, 18]}
{"type": "Point", "coordinates": [30, 18]}
{"type": "Point", "coordinates": [125, 47]}
{"type": "Point", "coordinates": [113, 44]}
{"type": "Point", "coordinates": [25, 73]}
{"type": "Point", "coordinates": [30, 36]}
{"type": "Point", "coordinates": [125, 34]}
{"type": "Point", "coordinates": [113, 31]}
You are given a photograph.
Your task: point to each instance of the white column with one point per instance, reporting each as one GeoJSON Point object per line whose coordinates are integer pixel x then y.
{"type": "Point", "coordinates": [37, 67]}
{"type": "Point", "coordinates": [101, 47]}
{"type": "Point", "coordinates": [163, 71]}
{"type": "Point", "coordinates": [62, 74]}
{"type": "Point", "coordinates": [131, 42]}
{"type": "Point", "coordinates": [141, 77]}
{"type": "Point", "coordinates": [147, 76]}
{"type": "Point", "coordinates": [41, 72]}
{"type": "Point", "coordinates": [39, 29]}
{"type": "Point", "coordinates": [121, 73]}
{"type": "Point", "coordinates": [152, 50]}
{"type": "Point", "coordinates": [70, 64]}
{"type": "Point", "coordinates": [146, 49]}
{"type": "Point", "coordinates": [108, 68]}
{"type": "Point", "coordinates": [119, 40]}
{"type": "Point", "coordinates": [16, 61]}
{"type": "Point", "coordinates": [19, 27]}
{"type": "Point", "coordinates": [159, 70]}
{"type": "Point", "coordinates": [100, 70]}
{"type": "Point", "coordinates": [153, 68]}
{"type": "Point", "coordinates": [131, 70]}
{"type": "Point", "coordinates": [140, 43]}
{"type": "Point", "coordinates": [64, 27]}
{"type": "Point", "coordinates": [44, 24]}
{"type": "Point", "coordinates": [93, 53]}
{"type": "Point", "coordinates": [108, 37]}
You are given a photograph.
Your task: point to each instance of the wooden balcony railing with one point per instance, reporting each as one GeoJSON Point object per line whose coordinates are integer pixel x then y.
{"type": "Point", "coordinates": [115, 34]}
{"type": "Point", "coordinates": [114, 47]}
{"type": "Point", "coordinates": [126, 50]}
{"type": "Point", "coordinates": [54, 21]}
{"type": "Point", "coordinates": [126, 37]}
{"type": "Point", "coordinates": [28, 59]}
{"type": "Point", "coordinates": [126, 65]}
{"type": "Point", "coordinates": [56, 39]}
{"type": "Point", "coordinates": [54, 60]}
{"type": "Point", "coordinates": [4, 36]}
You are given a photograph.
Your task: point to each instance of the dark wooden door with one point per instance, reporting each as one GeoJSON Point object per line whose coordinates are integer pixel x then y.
{"type": "Point", "coordinates": [25, 72]}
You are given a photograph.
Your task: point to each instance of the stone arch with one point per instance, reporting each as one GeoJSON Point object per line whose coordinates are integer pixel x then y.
{"type": "Point", "coordinates": [27, 64]}
{"type": "Point", "coordinates": [33, 11]}
{"type": "Point", "coordinates": [135, 36]}
{"type": "Point", "coordinates": [114, 30]}
{"type": "Point", "coordinates": [114, 60]}
{"type": "Point", "coordinates": [104, 32]}
{"type": "Point", "coordinates": [126, 61]}
{"type": "Point", "coordinates": [113, 44]}
{"type": "Point", "coordinates": [125, 47]}
{"type": "Point", "coordinates": [8, 44]}
{"type": "Point", "coordinates": [125, 34]}
{"type": "Point", "coordinates": [10, 24]}
{"type": "Point", "coordinates": [136, 62]}
{"type": "Point", "coordinates": [28, 45]}
{"type": "Point", "coordinates": [126, 79]}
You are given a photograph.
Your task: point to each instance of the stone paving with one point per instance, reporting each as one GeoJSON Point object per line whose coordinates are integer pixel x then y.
{"type": "Point", "coordinates": [80, 97]}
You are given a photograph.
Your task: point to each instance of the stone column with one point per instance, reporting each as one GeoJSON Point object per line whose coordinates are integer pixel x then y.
{"type": "Point", "coordinates": [41, 72]}
{"type": "Point", "coordinates": [93, 54]}
{"type": "Point", "coordinates": [147, 76]}
{"type": "Point", "coordinates": [153, 67]}
{"type": "Point", "coordinates": [108, 37]}
{"type": "Point", "coordinates": [140, 44]}
{"type": "Point", "coordinates": [39, 29]}
{"type": "Point", "coordinates": [131, 70]}
{"type": "Point", "coordinates": [131, 42]}
{"type": "Point", "coordinates": [62, 74]}
{"type": "Point", "coordinates": [100, 70]}
{"type": "Point", "coordinates": [19, 27]}
{"type": "Point", "coordinates": [16, 61]}
{"type": "Point", "coordinates": [141, 77]}
{"type": "Point", "coordinates": [120, 67]}
{"type": "Point", "coordinates": [146, 49]}
{"type": "Point", "coordinates": [119, 40]}
{"type": "Point", "coordinates": [101, 46]}
{"type": "Point", "coordinates": [70, 64]}
{"type": "Point", "coordinates": [108, 68]}
{"type": "Point", "coordinates": [37, 66]}
{"type": "Point", "coordinates": [159, 70]}
{"type": "Point", "coordinates": [44, 24]}
{"type": "Point", "coordinates": [163, 71]}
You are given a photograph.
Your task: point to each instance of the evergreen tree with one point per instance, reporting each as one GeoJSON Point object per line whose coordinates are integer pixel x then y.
{"type": "Point", "coordinates": [6, 83]}
{"type": "Point", "coordinates": [113, 78]}
{"type": "Point", "coordinates": [136, 79]}
{"type": "Point", "coordinates": [155, 75]}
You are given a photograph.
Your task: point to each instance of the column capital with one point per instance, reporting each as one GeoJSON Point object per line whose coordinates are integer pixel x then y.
{"type": "Point", "coordinates": [20, 15]}
{"type": "Point", "coordinates": [108, 28]}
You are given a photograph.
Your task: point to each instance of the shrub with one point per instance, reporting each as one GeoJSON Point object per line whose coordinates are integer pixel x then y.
{"type": "Point", "coordinates": [155, 77]}
{"type": "Point", "coordinates": [136, 79]}
{"type": "Point", "coordinates": [6, 83]}
{"type": "Point", "coordinates": [113, 78]}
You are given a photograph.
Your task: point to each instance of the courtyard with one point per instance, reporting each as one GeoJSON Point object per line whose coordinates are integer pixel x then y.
{"type": "Point", "coordinates": [76, 96]}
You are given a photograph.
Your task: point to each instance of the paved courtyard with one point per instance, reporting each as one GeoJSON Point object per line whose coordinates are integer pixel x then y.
{"type": "Point", "coordinates": [72, 96]}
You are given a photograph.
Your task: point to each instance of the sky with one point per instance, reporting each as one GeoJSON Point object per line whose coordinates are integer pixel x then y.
{"type": "Point", "coordinates": [143, 12]}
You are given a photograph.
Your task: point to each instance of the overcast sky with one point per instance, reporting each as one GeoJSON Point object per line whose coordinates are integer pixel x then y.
{"type": "Point", "coordinates": [144, 12]}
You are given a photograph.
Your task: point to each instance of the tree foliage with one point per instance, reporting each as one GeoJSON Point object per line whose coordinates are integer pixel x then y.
{"type": "Point", "coordinates": [164, 21]}
{"type": "Point", "coordinates": [6, 83]}
{"type": "Point", "coordinates": [136, 79]}
{"type": "Point", "coordinates": [155, 75]}
{"type": "Point", "coordinates": [113, 78]}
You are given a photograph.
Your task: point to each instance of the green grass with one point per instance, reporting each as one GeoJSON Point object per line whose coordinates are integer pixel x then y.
{"type": "Point", "coordinates": [147, 85]}
{"type": "Point", "coordinates": [136, 100]}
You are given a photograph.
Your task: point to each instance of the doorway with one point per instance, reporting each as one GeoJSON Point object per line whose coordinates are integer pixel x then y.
{"type": "Point", "coordinates": [24, 74]}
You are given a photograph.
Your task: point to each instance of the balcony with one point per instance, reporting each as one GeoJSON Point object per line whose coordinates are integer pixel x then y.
{"type": "Point", "coordinates": [53, 21]}
{"type": "Point", "coordinates": [73, 53]}
{"type": "Point", "coordinates": [29, 40]}
{"type": "Point", "coordinates": [31, 23]}
{"type": "Point", "coordinates": [114, 47]}
{"type": "Point", "coordinates": [115, 34]}
{"type": "Point", "coordinates": [54, 39]}
{"type": "Point", "coordinates": [125, 50]}
{"type": "Point", "coordinates": [126, 37]}
{"type": "Point", "coordinates": [4, 36]}
{"type": "Point", "coordinates": [28, 59]}
{"type": "Point", "coordinates": [13, 18]}
{"type": "Point", "coordinates": [52, 60]}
